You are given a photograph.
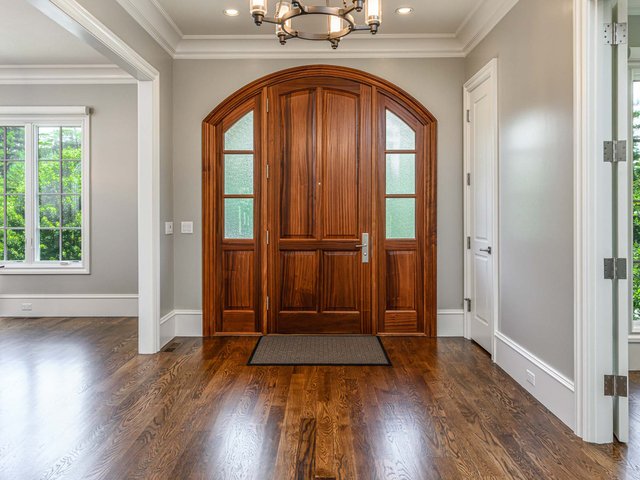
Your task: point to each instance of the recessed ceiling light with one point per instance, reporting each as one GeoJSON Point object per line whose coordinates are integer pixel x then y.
{"type": "Point", "coordinates": [231, 12]}
{"type": "Point", "coordinates": [404, 10]}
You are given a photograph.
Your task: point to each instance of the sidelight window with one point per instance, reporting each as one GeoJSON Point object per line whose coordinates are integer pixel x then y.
{"type": "Point", "coordinates": [239, 199]}
{"type": "Point", "coordinates": [400, 194]}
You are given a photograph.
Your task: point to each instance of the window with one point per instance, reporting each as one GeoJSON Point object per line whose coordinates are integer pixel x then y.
{"type": "Point", "coordinates": [400, 195]}
{"type": "Point", "coordinates": [44, 186]}
{"type": "Point", "coordinates": [238, 179]}
{"type": "Point", "coordinates": [636, 207]}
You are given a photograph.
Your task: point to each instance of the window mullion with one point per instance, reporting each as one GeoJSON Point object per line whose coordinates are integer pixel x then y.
{"type": "Point", "coordinates": [30, 197]}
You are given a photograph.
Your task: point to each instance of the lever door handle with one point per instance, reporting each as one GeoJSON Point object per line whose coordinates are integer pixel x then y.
{"type": "Point", "coordinates": [486, 250]}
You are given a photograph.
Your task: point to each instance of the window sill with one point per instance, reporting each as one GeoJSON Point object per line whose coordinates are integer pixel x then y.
{"type": "Point", "coordinates": [634, 337]}
{"type": "Point", "coordinates": [44, 270]}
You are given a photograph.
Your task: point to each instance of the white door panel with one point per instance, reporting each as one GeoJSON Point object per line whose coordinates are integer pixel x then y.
{"type": "Point", "coordinates": [481, 149]}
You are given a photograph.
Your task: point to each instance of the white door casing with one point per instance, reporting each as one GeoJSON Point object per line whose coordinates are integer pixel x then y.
{"type": "Point", "coordinates": [481, 207]}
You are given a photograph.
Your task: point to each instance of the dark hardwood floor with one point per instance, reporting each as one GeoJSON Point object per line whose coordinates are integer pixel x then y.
{"type": "Point", "coordinates": [77, 402]}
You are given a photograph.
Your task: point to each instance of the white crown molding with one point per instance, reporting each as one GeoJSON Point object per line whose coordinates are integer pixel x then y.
{"type": "Point", "coordinates": [478, 25]}
{"type": "Point", "coordinates": [63, 74]}
{"type": "Point", "coordinates": [157, 22]}
{"type": "Point", "coordinates": [357, 46]}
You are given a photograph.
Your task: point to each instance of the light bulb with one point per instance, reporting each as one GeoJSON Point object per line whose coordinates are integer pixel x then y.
{"type": "Point", "coordinates": [374, 12]}
{"type": "Point", "coordinates": [281, 10]}
{"type": "Point", "coordinates": [335, 24]}
{"type": "Point", "coordinates": [258, 7]}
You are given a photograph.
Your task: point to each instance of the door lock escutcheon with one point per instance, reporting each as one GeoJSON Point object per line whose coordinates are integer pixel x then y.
{"type": "Point", "coordinates": [364, 246]}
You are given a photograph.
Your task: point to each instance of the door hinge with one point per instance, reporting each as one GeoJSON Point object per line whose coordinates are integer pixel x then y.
{"type": "Point", "coordinates": [615, 268]}
{"type": "Point", "coordinates": [468, 179]}
{"type": "Point", "coordinates": [615, 386]}
{"type": "Point", "coordinates": [268, 303]}
{"type": "Point", "coordinates": [615, 33]}
{"type": "Point", "coordinates": [267, 235]}
{"type": "Point", "coordinates": [468, 243]}
{"type": "Point", "coordinates": [615, 151]}
{"type": "Point", "coordinates": [468, 302]}
{"type": "Point", "coordinates": [468, 116]}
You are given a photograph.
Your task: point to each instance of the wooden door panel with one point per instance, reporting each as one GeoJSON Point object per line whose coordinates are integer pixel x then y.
{"type": "Point", "coordinates": [340, 281]}
{"type": "Point", "coordinates": [238, 272]}
{"type": "Point", "coordinates": [401, 280]}
{"type": "Point", "coordinates": [298, 174]}
{"type": "Point", "coordinates": [341, 166]}
{"type": "Point", "coordinates": [299, 274]}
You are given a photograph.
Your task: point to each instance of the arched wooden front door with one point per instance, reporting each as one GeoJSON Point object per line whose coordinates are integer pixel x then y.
{"type": "Point", "coordinates": [319, 207]}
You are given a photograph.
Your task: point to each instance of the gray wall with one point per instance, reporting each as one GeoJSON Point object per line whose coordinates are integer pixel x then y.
{"type": "Point", "coordinates": [200, 85]}
{"type": "Point", "coordinates": [114, 221]}
{"type": "Point", "coordinates": [118, 21]}
{"type": "Point", "coordinates": [533, 44]}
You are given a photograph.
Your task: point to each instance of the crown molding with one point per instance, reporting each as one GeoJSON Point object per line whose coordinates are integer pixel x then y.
{"type": "Point", "coordinates": [482, 20]}
{"type": "Point", "coordinates": [63, 74]}
{"type": "Point", "coordinates": [159, 24]}
{"type": "Point", "coordinates": [156, 21]}
{"type": "Point", "coordinates": [357, 46]}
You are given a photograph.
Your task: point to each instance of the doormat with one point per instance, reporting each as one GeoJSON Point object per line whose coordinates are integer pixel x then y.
{"type": "Point", "coordinates": [360, 350]}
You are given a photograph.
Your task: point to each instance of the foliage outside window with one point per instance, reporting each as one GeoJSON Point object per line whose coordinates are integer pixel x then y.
{"type": "Point", "coordinates": [43, 195]}
{"type": "Point", "coordinates": [636, 207]}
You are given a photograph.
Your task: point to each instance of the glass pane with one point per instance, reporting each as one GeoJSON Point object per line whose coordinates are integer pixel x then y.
{"type": "Point", "coordinates": [2, 167]}
{"type": "Point", "coordinates": [49, 245]}
{"type": "Point", "coordinates": [49, 177]}
{"type": "Point", "coordinates": [238, 174]}
{"type": "Point", "coordinates": [401, 218]}
{"type": "Point", "coordinates": [2, 246]}
{"type": "Point", "coordinates": [48, 143]}
{"type": "Point", "coordinates": [1, 222]}
{"type": "Point", "coordinates": [399, 135]}
{"type": "Point", "coordinates": [15, 143]}
{"type": "Point", "coordinates": [71, 245]}
{"type": "Point", "coordinates": [240, 135]}
{"type": "Point", "coordinates": [15, 177]}
{"type": "Point", "coordinates": [71, 177]}
{"type": "Point", "coordinates": [636, 206]}
{"type": "Point", "coordinates": [401, 174]}
{"type": "Point", "coordinates": [15, 245]}
{"type": "Point", "coordinates": [15, 211]}
{"type": "Point", "coordinates": [238, 218]}
{"type": "Point", "coordinates": [71, 211]}
{"type": "Point", "coordinates": [71, 143]}
{"type": "Point", "coordinates": [2, 133]}
{"type": "Point", "coordinates": [49, 211]}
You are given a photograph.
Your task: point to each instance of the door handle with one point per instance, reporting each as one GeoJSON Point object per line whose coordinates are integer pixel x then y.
{"type": "Point", "coordinates": [486, 250]}
{"type": "Point", "coordinates": [365, 247]}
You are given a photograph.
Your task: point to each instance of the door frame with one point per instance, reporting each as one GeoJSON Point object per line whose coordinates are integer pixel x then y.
{"type": "Point", "coordinates": [487, 73]}
{"type": "Point", "coordinates": [259, 88]}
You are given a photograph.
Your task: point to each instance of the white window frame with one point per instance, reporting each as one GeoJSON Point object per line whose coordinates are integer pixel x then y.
{"type": "Point", "coordinates": [31, 118]}
{"type": "Point", "coordinates": [634, 76]}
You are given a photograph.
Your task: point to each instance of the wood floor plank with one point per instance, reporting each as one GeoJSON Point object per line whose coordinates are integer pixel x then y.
{"type": "Point", "coordinates": [77, 402]}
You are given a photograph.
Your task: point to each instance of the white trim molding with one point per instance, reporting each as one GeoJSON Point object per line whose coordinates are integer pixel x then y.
{"type": "Point", "coordinates": [63, 305]}
{"type": "Point", "coordinates": [63, 74]}
{"type": "Point", "coordinates": [553, 389]}
{"type": "Point", "coordinates": [451, 323]}
{"type": "Point", "coordinates": [163, 29]}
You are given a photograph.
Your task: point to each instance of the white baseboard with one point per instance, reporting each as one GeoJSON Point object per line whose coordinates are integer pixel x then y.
{"type": "Point", "coordinates": [552, 389]}
{"type": "Point", "coordinates": [75, 305]}
{"type": "Point", "coordinates": [450, 323]}
{"type": "Point", "coordinates": [180, 323]}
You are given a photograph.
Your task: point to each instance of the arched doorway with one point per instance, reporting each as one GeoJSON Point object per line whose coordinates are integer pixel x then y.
{"type": "Point", "coordinates": [319, 207]}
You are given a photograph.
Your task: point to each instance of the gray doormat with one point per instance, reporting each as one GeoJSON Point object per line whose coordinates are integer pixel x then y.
{"type": "Point", "coordinates": [319, 350]}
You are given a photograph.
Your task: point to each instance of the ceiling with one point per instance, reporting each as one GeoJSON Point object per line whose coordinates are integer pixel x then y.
{"type": "Point", "coordinates": [205, 17]}
{"type": "Point", "coordinates": [28, 37]}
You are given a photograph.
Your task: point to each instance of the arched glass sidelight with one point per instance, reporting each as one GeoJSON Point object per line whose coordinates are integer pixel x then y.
{"type": "Point", "coordinates": [400, 180]}
{"type": "Point", "coordinates": [239, 153]}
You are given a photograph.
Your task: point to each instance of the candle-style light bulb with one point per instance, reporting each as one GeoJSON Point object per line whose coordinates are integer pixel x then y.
{"type": "Point", "coordinates": [374, 14]}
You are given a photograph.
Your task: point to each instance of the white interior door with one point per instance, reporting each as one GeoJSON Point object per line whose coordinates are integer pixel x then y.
{"type": "Point", "coordinates": [481, 260]}
{"type": "Point", "coordinates": [623, 230]}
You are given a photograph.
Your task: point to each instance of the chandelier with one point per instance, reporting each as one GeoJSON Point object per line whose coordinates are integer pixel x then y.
{"type": "Point", "coordinates": [340, 21]}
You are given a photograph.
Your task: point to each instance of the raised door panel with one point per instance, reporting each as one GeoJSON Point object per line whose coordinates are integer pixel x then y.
{"type": "Point", "coordinates": [238, 272]}
{"type": "Point", "coordinates": [401, 281]}
{"type": "Point", "coordinates": [340, 166]}
{"type": "Point", "coordinates": [299, 274]}
{"type": "Point", "coordinates": [298, 164]}
{"type": "Point", "coordinates": [340, 281]}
